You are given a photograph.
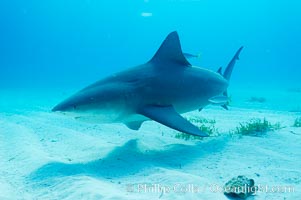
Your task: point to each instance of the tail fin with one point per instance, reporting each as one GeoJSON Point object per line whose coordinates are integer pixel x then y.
{"type": "Point", "coordinates": [228, 72]}
{"type": "Point", "coordinates": [229, 69]}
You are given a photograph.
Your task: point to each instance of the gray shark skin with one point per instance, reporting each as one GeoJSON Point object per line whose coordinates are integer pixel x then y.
{"type": "Point", "coordinates": [158, 90]}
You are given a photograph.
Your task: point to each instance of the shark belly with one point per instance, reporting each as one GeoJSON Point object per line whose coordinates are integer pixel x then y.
{"type": "Point", "coordinates": [193, 104]}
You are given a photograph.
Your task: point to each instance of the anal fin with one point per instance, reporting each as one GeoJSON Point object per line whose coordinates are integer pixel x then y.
{"type": "Point", "coordinates": [225, 107]}
{"type": "Point", "coordinates": [167, 116]}
{"type": "Point", "coordinates": [134, 125]}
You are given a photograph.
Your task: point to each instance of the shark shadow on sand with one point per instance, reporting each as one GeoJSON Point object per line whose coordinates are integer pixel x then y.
{"type": "Point", "coordinates": [128, 160]}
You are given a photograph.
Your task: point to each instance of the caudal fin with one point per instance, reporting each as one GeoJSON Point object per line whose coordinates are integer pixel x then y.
{"type": "Point", "coordinates": [229, 69]}
{"type": "Point", "coordinates": [228, 72]}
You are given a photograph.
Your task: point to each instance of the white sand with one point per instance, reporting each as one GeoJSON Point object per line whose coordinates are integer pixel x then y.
{"type": "Point", "coordinates": [48, 156]}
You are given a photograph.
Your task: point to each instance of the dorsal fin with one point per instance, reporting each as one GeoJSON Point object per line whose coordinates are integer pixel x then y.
{"type": "Point", "coordinates": [170, 52]}
{"type": "Point", "coordinates": [220, 71]}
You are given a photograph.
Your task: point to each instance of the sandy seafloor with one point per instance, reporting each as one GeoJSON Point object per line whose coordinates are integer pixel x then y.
{"type": "Point", "coordinates": [44, 155]}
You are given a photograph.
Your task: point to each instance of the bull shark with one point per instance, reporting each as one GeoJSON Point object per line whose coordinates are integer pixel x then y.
{"type": "Point", "coordinates": [160, 90]}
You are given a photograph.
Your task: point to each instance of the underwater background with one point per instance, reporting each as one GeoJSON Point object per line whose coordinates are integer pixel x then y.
{"type": "Point", "coordinates": [51, 49]}
{"type": "Point", "coordinates": [66, 43]}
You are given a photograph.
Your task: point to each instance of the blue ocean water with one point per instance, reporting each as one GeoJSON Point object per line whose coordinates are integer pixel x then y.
{"type": "Point", "coordinates": [50, 49]}
{"type": "Point", "coordinates": [62, 43]}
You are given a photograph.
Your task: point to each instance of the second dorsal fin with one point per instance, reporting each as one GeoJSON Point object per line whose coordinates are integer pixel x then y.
{"type": "Point", "coordinates": [220, 71]}
{"type": "Point", "coordinates": [170, 52]}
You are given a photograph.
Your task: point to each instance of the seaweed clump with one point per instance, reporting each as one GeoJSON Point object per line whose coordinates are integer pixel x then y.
{"type": "Point", "coordinates": [297, 122]}
{"type": "Point", "coordinates": [205, 125]}
{"type": "Point", "coordinates": [256, 127]}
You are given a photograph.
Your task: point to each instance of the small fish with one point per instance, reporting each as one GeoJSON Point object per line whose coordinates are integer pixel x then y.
{"type": "Point", "coordinates": [219, 100]}
{"type": "Point", "coordinates": [189, 55]}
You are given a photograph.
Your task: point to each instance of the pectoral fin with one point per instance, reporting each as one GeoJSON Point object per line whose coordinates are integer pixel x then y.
{"type": "Point", "coordinates": [167, 116]}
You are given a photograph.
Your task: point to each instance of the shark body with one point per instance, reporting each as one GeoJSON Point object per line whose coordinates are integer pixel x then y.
{"type": "Point", "coordinates": [158, 90]}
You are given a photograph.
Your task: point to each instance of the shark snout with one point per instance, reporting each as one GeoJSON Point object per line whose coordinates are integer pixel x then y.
{"type": "Point", "coordinates": [59, 107]}
{"type": "Point", "coordinates": [64, 107]}
{"type": "Point", "coordinates": [74, 103]}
